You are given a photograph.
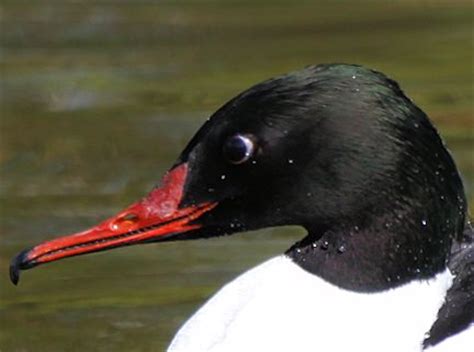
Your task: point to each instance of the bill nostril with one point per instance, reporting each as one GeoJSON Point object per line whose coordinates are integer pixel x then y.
{"type": "Point", "coordinates": [131, 217]}
{"type": "Point", "coordinates": [125, 222]}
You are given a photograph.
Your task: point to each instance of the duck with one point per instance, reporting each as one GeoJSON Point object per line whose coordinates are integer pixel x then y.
{"type": "Point", "coordinates": [387, 259]}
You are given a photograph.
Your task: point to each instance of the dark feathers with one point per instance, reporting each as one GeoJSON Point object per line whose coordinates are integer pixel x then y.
{"type": "Point", "coordinates": [457, 312]}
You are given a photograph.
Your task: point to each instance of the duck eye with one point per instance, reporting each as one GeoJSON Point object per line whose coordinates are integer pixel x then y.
{"type": "Point", "coordinates": [238, 148]}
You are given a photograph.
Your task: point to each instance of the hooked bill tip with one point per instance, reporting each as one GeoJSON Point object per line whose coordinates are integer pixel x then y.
{"type": "Point", "coordinates": [19, 262]}
{"type": "Point", "coordinates": [14, 274]}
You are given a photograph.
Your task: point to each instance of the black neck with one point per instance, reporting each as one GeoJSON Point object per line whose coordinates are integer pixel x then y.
{"type": "Point", "coordinates": [403, 233]}
{"type": "Point", "coordinates": [371, 257]}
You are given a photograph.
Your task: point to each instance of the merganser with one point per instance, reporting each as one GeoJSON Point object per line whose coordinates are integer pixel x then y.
{"type": "Point", "coordinates": [387, 263]}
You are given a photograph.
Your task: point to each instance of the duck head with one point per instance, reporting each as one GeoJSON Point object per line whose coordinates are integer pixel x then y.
{"type": "Point", "coordinates": [337, 149]}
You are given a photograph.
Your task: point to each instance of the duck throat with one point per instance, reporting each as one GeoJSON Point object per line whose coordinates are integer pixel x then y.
{"type": "Point", "coordinates": [374, 257]}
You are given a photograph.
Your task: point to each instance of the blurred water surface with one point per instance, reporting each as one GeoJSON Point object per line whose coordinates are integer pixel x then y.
{"type": "Point", "coordinates": [99, 97]}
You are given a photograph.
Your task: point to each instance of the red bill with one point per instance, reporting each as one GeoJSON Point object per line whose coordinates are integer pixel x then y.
{"type": "Point", "coordinates": [156, 217]}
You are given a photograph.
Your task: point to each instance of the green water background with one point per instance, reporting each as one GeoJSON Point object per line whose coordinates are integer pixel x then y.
{"type": "Point", "coordinates": [99, 97]}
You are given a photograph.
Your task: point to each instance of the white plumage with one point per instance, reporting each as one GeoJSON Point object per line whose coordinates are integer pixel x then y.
{"type": "Point", "coordinates": [277, 306]}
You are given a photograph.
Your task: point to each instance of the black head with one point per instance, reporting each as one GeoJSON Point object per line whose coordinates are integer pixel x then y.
{"type": "Point", "coordinates": [341, 151]}
{"type": "Point", "coordinates": [337, 149]}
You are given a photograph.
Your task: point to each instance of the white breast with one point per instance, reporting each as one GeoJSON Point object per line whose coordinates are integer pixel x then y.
{"type": "Point", "coordinates": [278, 306]}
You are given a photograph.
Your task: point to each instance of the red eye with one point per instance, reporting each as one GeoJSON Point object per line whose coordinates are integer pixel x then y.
{"type": "Point", "coordinates": [238, 148]}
